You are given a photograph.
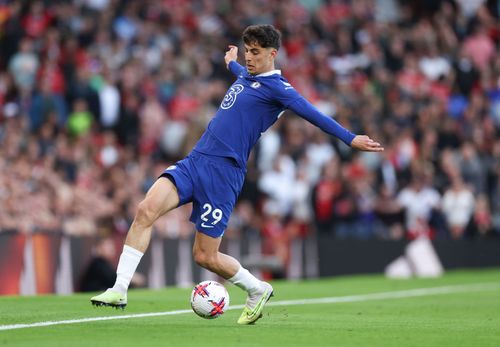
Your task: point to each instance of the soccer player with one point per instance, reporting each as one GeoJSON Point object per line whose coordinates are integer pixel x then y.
{"type": "Point", "coordinates": [212, 175]}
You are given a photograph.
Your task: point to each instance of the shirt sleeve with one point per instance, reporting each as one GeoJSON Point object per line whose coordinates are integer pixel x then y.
{"type": "Point", "coordinates": [292, 100]}
{"type": "Point", "coordinates": [310, 113]}
{"type": "Point", "coordinates": [236, 68]}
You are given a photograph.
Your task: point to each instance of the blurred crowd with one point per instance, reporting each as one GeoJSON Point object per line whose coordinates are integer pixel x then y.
{"type": "Point", "coordinates": [97, 97]}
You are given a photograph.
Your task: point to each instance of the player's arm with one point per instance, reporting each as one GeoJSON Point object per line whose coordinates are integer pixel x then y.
{"type": "Point", "coordinates": [306, 110]}
{"type": "Point", "coordinates": [231, 63]}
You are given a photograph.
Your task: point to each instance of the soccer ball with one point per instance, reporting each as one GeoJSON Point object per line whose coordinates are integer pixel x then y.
{"type": "Point", "coordinates": [209, 299]}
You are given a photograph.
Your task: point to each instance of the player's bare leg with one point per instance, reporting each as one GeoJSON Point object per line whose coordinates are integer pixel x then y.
{"type": "Point", "coordinates": [206, 254]}
{"type": "Point", "coordinates": [161, 198]}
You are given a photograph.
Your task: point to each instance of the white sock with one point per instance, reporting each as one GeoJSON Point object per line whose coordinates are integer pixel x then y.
{"type": "Point", "coordinates": [246, 281]}
{"type": "Point", "coordinates": [129, 259]}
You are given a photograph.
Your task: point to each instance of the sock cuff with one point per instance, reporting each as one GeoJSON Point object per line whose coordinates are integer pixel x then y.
{"type": "Point", "coordinates": [132, 251]}
{"type": "Point", "coordinates": [237, 275]}
{"type": "Point", "coordinates": [246, 281]}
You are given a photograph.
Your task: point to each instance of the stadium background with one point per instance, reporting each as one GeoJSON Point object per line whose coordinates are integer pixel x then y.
{"type": "Point", "coordinates": [97, 97]}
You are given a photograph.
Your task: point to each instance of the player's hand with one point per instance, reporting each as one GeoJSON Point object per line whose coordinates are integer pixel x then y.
{"type": "Point", "coordinates": [231, 54]}
{"type": "Point", "coordinates": [365, 143]}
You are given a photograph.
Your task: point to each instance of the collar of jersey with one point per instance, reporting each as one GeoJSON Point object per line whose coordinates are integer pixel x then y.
{"type": "Point", "coordinates": [269, 73]}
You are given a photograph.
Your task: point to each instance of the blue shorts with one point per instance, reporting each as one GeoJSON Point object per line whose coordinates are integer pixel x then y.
{"type": "Point", "coordinates": [213, 184]}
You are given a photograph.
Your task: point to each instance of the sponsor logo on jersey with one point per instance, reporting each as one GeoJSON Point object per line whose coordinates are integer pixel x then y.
{"type": "Point", "coordinates": [231, 95]}
{"type": "Point", "coordinates": [255, 85]}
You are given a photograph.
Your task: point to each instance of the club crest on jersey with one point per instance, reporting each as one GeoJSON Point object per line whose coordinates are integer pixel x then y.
{"type": "Point", "coordinates": [230, 97]}
{"type": "Point", "coordinates": [255, 85]}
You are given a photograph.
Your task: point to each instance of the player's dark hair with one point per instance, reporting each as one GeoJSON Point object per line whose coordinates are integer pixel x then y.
{"type": "Point", "coordinates": [264, 34]}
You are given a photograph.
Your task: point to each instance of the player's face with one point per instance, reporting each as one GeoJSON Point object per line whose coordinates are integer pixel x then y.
{"type": "Point", "coordinates": [259, 59]}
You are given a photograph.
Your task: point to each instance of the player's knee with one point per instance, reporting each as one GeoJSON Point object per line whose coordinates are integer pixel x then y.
{"type": "Point", "coordinates": [205, 259]}
{"type": "Point", "coordinates": [145, 213]}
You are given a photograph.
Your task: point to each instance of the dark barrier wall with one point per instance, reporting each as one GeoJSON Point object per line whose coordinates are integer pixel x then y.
{"type": "Point", "coordinates": [342, 257]}
{"type": "Point", "coordinates": [473, 253]}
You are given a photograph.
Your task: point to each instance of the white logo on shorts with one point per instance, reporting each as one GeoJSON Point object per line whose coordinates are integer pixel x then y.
{"type": "Point", "coordinates": [230, 97]}
{"type": "Point", "coordinates": [172, 167]}
{"type": "Point", "coordinates": [206, 226]}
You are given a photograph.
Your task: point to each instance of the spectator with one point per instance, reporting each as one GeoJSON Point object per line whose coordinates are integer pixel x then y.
{"type": "Point", "coordinates": [346, 211]}
{"type": "Point", "coordinates": [481, 222]}
{"type": "Point", "coordinates": [24, 66]}
{"type": "Point", "coordinates": [109, 99]}
{"type": "Point", "coordinates": [278, 184]}
{"type": "Point", "coordinates": [434, 66]}
{"type": "Point", "coordinates": [390, 215]}
{"type": "Point", "coordinates": [419, 201]}
{"type": "Point", "coordinates": [80, 120]}
{"type": "Point", "coordinates": [323, 197]}
{"type": "Point", "coordinates": [100, 273]}
{"type": "Point", "coordinates": [37, 20]}
{"type": "Point", "coordinates": [472, 168]}
{"type": "Point", "coordinates": [458, 207]}
{"type": "Point", "coordinates": [480, 47]}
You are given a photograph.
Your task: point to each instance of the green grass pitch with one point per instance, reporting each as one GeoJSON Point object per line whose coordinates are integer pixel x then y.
{"type": "Point", "coordinates": [461, 308]}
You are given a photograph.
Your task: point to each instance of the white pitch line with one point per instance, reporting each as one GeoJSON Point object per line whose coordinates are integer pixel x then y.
{"type": "Point", "coordinates": [329, 300]}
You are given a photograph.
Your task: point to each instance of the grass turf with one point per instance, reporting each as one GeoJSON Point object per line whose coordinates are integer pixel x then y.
{"type": "Point", "coordinates": [454, 319]}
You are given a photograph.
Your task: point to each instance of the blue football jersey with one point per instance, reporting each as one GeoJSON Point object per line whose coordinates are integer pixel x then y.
{"type": "Point", "coordinates": [251, 105]}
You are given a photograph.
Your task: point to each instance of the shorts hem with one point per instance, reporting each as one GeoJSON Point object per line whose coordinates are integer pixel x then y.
{"type": "Point", "coordinates": [213, 234]}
